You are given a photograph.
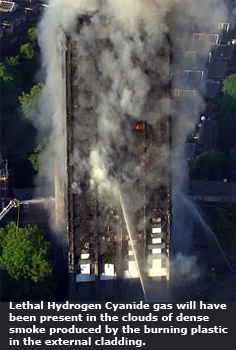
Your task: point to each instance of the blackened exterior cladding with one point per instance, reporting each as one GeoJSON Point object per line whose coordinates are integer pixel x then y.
{"type": "Point", "coordinates": [93, 228]}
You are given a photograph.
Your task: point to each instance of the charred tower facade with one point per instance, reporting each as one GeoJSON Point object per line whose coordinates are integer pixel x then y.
{"type": "Point", "coordinates": [116, 200]}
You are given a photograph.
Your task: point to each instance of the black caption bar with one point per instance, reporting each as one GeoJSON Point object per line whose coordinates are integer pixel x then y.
{"type": "Point", "coordinates": [108, 325]}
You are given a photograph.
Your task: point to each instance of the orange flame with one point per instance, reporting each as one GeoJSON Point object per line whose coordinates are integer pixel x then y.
{"type": "Point", "coordinates": [139, 127]}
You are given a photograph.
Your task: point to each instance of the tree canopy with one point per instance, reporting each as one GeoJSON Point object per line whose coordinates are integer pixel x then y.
{"type": "Point", "coordinates": [30, 48]}
{"type": "Point", "coordinates": [210, 166]}
{"type": "Point", "coordinates": [18, 134]}
{"type": "Point", "coordinates": [13, 61]}
{"type": "Point", "coordinates": [225, 227]}
{"type": "Point", "coordinates": [229, 85]}
{"type": "Point", "coordinates": [24, 253]}
{"type": "Point", "coordinates": [227, 122]}
{"type": "Point", "coordinates": [10, 79]}
{"type": "Point", "coordinates": [34, 158]}
{"type": "Point", "coordinates": [6, 73]}
{"type": "Point", "coordinates": [32, 35]}
{"type": "Point", "coordinates": [223, 223]}
{"type": "Point", "coordinates": [232, 164]}
{"type": "Point", "coordinates": [27, 272]}
{"type": "Point", "coordinates": [30, 102]}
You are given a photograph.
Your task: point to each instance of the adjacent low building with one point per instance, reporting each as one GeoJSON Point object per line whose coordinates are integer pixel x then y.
{"type": "Point", "coordinates": [16, 18]}
{"type": "Point", "coordinates": [212, 193]}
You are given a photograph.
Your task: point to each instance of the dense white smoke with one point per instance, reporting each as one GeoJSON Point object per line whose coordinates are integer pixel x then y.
{"type": "Point", "coordinates": [122, 73]}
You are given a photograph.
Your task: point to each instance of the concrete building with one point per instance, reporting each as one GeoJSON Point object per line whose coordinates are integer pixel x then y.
{"type": "Point", "coordinates": [209, 58]}
{"type": "Point", "coordinates": [16, 18]}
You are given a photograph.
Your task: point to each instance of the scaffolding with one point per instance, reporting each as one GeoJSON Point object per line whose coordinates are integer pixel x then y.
{"type": "Point", "coordinates": [4, 181]}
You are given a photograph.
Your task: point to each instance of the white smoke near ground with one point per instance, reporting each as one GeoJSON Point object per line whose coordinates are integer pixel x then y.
{"type": "Point", "coordinates": [185, 268]}
{"type": "Point", "coordinates": [121, 81]}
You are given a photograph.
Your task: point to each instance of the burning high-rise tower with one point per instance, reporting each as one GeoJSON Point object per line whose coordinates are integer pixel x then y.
{"type": "Point", "coordinates": [108, 65]}
{"type": "Point", "coordinates": [116, 196]}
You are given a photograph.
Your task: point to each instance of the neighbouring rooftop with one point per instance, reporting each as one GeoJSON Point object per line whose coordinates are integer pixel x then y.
{"type": "Point", "coordinates": [213, 89]}
{"type": "Point", "coordinates": [224, 52]}
{"type": "Point", "coordinates": [7, 6]}
{"type": "Point", "coordinates": [217, 70]}
{"type": "Point", "coordinates": [11, 16]}
{"type": "Point", "coordinates": [212, 188]}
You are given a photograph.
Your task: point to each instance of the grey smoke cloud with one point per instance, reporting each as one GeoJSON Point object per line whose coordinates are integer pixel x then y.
{"type": "Point", "coordinates": [138, 30]}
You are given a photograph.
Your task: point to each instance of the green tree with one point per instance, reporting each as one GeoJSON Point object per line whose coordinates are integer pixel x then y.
{"type": "Point", "coordinates": [25, 253]}
{"type": "Point", "coordinates": [224, 224]}
{"type": "Point", "coordinates": [232, 164]}
{"type": "Point", "coordinates": [229, 86]}
{"type": "Point", "coordinates": [32, 35]}
{"type": "Point", "coordinates": [221, 289]}
{"type": "Point", "coordinates": [16, 76]}
{"type": "Point", "coordinates": [30, 102]}
{"type": "Point", "coordinates": [210, 166]}
{"type": "Point", "coordinates": [6, 73]}
{"type": "Point", "coordinates": [227, 115]}
{"type": "Point", "coordinates": [28, 51]}
{"type": "Point", "coordinates": [34, 158]}
{"type": "Point", "coordinates": [30, 48]}
{"type": "Point", "coordinates": [26, 268]}
{"type": "Point", "coordinates": [227, 122]}
{"type": "Point", "coordinates": [11, 79]}
{"type": "Point", "coordinates": [13, 61]}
